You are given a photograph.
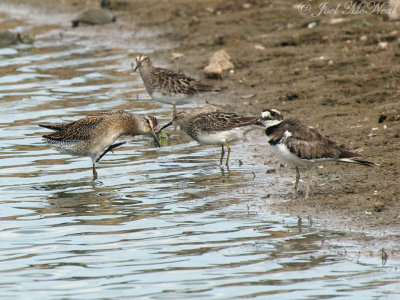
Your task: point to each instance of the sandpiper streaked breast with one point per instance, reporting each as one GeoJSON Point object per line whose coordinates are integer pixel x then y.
{"type": "Point", "coordinates": [167, 86]}
{"type": "Point", "coordinates": [216, 128]}
{"type": "Point", "coordinates": [301, 146]}
{"type": "Point", "coordinates": [94, 135]}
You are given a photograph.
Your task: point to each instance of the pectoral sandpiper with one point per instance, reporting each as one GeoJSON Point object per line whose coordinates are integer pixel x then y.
{"type": "Point", "coordinates": [216, 128]}
{"type": "Point", "coordinates": [167, 86]}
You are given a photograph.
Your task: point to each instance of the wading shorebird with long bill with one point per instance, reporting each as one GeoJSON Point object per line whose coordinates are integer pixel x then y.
{"type": "Point", "coordinates": [301, 146]}
{"type": "Point", "coordinates": [167, 86]}
{"type": "Point", "coordinates": [216, 128]}
{"type": "Point", "coordinates": [95, 134]}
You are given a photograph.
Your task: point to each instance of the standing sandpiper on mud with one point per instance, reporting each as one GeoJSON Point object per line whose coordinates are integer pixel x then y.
{"type": "Point", "coordinates": [94, 135]}
{"type": "Point", "coordinates": [167, 86]}
{"type": "Point", "coordinates": [216, 128]}
{"type": "Point", "coordinates": [301, 146]}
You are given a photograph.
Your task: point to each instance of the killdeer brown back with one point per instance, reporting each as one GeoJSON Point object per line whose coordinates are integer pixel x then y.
{"type": "Point", "coordinates": [216, 128]}
{"type": "Point", "coordinates": [301, 146]}
{"type": "Point", "coordinates": [94, 135]}
{"type": "Point", "coordinates": [167, 86]}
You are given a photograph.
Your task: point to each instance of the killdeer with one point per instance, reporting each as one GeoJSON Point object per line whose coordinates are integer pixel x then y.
{"type": "Point", "coordinates": [94, 135]}
{"type": "Point", "coordinates": [302, 146]}
{"type": "Point", "coordinates": [167, 86]}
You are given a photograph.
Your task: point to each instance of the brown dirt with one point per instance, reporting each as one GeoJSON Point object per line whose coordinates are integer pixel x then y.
{"type": "Point", "coordinates": [342, 78]}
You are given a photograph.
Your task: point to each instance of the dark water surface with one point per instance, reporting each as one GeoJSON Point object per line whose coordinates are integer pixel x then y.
{"type": "Point", "coordinates": [159, 223]}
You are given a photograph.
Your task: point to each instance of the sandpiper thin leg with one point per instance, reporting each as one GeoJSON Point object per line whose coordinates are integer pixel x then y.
{"type": "Point", "coordinates": [94, 172]}
{"type": "Point", "coordinates": [308, 182]}
{"type": "Point", "coordinates": [229, 153]}
{"type": "Point", "coordinates": [296, 183]}
{"type": "Point", "coordinates": [222, 154]}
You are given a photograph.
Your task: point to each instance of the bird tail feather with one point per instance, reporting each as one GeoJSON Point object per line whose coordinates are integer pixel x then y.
{"type": "Point", "coordinates": [358, 161]}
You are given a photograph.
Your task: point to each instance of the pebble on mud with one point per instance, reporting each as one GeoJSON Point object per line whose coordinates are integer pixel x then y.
{"type": "Point", "coordinates": [9, 38]}
{"type": "Point", "coordinates": [333, 21]}
{"type": "Point", "coordinates": [93, 16]}
{"type": "Point", "coordinates": [176, 55]}
{"type": "Point", "coordinates": [259, 47]}
{"type": "Point", "coordinates": [383, 45]}
{"type": "Point", "coordinates": [379, 206]}
{"type": "Point", "coordinates": [219, 62]}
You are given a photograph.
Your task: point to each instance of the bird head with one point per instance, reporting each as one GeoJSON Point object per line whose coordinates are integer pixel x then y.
{"type": "Point", "coordinates": [151, 125]}
{"type": "Point", "coordinates": [142, 60]}
{"type": "Point", "coordinates": [271, 117]}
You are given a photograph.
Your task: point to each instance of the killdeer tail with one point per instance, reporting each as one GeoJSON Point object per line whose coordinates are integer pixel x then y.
{"type": "Point", "coordinates": [358, 161]}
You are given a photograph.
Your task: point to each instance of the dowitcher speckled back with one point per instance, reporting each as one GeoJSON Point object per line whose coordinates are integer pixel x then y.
{"type": "Point", "coordinates": [91, 135]}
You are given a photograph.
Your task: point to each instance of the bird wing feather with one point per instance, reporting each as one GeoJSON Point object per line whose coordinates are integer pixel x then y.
{"type": "Point", "coordinates": [177, 83]}
{"type": "Point", "coordinates": [218, 121]}
{"type": "Point", "coordinates": [80, 130]}
{"type": "Point", "coordinates": [307, 143]}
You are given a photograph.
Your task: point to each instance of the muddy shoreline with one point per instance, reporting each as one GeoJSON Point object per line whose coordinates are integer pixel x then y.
{"type": "Point", "coordinates": [338, 73]}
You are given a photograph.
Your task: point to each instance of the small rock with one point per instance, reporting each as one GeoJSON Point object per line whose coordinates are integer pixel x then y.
{"type": "Point", "coordinates": [218, 62]}
{"type": "Point", "coordinates": [363, 38]}
{"type": "Point", "coordinates": [290, 96]}
{"type": "Point", "coordinates": [336, 20]}
{"type": "Point", "coordinates": [259, 47]}
{"type": "Point", "coordinates": [9, 38]}
{"type": "Point", "coordinates": [210, 10]}
{"type": "Point", "coordinates": [325, 38]}
{"type": "Point", "coordinates": [219, 40]}
{"type": "Point", "coordinates": [247, 96]}
{"type": "Point", "coordinates": [382, 118]}
{"type": "Point", "coordinates": [194, 20]}
{"type": "Point", "coordinates": [93, 16]}
{"type": "Point", "coordinates": [383, 45]}
{"type": "Point", "coordinates": [379, 206]}
{"type": "Point", "coordinates": [176, 55]}
{"type": "Point", "coordinates": [312, 24]}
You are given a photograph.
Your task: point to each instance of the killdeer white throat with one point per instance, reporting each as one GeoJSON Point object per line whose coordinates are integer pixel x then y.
{"type": "Point", "coordinates": [301, 146]}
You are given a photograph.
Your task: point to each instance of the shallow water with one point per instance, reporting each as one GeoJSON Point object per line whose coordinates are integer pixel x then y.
{"type": "Point", "coordinates": [159, 223]}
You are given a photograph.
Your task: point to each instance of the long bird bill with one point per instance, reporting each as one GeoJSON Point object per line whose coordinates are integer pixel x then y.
{"type": "Point", "coordinates": [156, 139]}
